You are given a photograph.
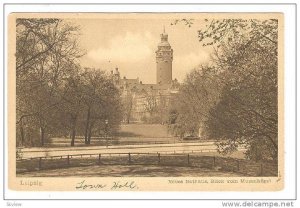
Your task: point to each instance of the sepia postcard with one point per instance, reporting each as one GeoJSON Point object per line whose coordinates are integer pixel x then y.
{"type": "Point", "coordinates": [145, 102]}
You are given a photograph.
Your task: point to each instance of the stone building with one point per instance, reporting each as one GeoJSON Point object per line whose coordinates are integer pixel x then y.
{"type": "Point", "coordinates": [164, 58]}
{"type": "Point", "coordinates": [149, 102]}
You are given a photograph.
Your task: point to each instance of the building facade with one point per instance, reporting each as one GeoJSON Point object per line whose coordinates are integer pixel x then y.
{"type": "Point", "coordinates": [149, 103]}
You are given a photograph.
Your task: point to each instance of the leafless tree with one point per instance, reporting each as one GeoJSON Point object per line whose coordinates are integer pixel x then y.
{"type": "Point", "coordinates": [46, 51]}
{"type": "Point", "coordinates": [243, 109]}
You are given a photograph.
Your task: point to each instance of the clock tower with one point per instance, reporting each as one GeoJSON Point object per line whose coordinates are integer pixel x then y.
{"type": "Point", "coordinates": [164, 58]}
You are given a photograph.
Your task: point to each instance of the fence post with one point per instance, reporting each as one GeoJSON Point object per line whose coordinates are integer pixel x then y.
{"type": "Point", "coordinates": [261, 169]}
{"type": "Point", "coordinates": [99, 159]}
{"type": "Point", "coordinates": [238, 165]}
{"type": "Point", "coordinates": [129, 158]}
{"type": "Point", "coordinates": [158, 155]}
{"type": "Point", "coordinates": [40, 163]}
{"type": "Point", "coordinates": [188, 159]}
{"type": "Point", "coordinates": [68, 160]}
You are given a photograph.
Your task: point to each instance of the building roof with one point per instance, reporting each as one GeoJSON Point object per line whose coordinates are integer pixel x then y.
{"type": "Point", "coordinates": [129, 81]}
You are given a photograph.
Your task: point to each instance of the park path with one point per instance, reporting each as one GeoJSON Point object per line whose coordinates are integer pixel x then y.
{"type": "Point", "coordinates": [150, 148]}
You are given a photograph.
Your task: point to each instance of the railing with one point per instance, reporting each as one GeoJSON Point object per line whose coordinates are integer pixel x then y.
{"type": "Point", "coordinates": [243, 167]}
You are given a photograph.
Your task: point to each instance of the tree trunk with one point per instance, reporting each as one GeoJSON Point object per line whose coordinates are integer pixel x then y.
{"type": "Point", "coordinates": [73, 133]}
{"type": "Point", "coordinates": [89, 135]}
{"type": "Point", "coordinates": [129, 115]}
{"type": "Point", "coordinates": [22, 133]}
{"type": "Point", "coordinates": [90, 132]}
{"type": "Point", "coordinates": [42, 136]}
{"type": "Point", "coordinates": [73, 130]}
{"type": "Point", "coordinates": [87, 125]}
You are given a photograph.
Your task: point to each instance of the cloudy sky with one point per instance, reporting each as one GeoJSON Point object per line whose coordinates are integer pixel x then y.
{"type": "Point", "coordinates": [129, 43]}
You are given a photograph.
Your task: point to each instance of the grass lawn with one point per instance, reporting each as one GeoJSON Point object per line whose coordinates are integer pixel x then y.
{"type": "Point", "coordinates": [129, 171]}
{"type": "Point", "coordinates": [128, 134]}
{"type": "Point", "coordinates": [144, 165]}
{"type": "Point", "coordinates": [144, 130]}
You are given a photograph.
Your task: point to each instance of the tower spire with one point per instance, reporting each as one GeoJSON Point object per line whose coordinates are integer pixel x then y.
{"type": "Point", "coordinates": [164, 58]}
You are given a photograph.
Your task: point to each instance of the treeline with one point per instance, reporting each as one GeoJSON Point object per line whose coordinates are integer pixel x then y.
{"type": "Point", "coordinates": [55, 96]}
{"type": "Point", "coordinates": [234, 98]}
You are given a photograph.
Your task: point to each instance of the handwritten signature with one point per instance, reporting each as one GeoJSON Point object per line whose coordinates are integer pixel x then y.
{"type": "Point", "coordinates": [122, 185]}
{"type": "Point", "coordinates": [117, 185]}
{"type": "Point", "coordinates": [82, 185]}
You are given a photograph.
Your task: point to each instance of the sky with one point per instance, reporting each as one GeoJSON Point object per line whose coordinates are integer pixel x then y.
{"type": "Point", "coordinates": [129, 43]}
